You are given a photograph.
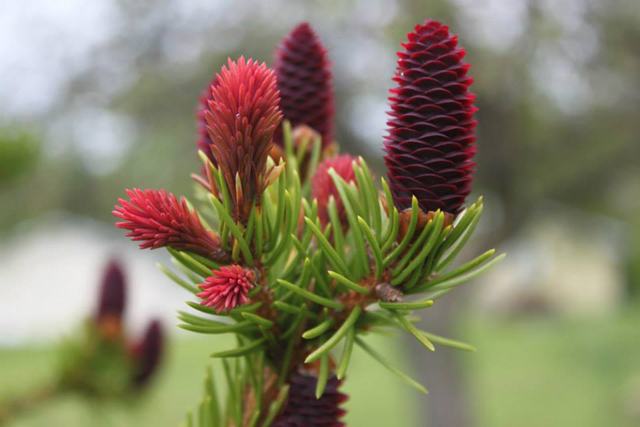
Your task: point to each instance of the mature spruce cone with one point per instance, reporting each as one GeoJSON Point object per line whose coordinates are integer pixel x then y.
{"type": "Point", "coordinates": [304, 410]}
{"type": "Point", "coordinates": [113, 293]}
{"type": "Point", "coordinates": [431, 131]}
{"type": "Point", "coordinates": [148, 354]}
{"type": "Point", "coordinates": [304, 80]}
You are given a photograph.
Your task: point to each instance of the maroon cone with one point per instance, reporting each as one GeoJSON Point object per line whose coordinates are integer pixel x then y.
{"type": "Point", "coordinates": [304, 80]}
{"type": "Point", "coordinates": [148, 354]}
{"type": "Point", "coordinates": [112, 299]}
{"type": "Point", "coordinates": [431, 131]}
{"type": "Point", "coordinates": [304, 410]}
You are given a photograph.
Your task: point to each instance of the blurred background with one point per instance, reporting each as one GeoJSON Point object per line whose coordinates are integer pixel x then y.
{"type": "Point", "coordinates": [100, 96]}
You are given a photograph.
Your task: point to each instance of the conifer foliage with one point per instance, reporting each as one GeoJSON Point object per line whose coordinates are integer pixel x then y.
{"type": "Point", "coordinates": [303, 254]}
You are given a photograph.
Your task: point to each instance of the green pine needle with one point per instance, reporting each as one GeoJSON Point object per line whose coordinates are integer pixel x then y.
{"type": "Point", "coordinates": [212, 391]}
{"type": "Point", "coordinates": [312, 165]}
{"type": "Point", "coordinates": [459, 280]}
{"type": "Point", "coordinates": [283, 244]}
{"type": "Point", "coordinates": [255, 417]}
{"type": "Point", "coordinates": [201, 329]}
{"type": "Point", "coordinates": [336, 337]}
{"type": "Point", "coordinates": [311, 296]}
{"type": "Point", "coordinates": [346, 353]}
{"type": "Point", "coordinates": [477, 213]}
{"type": "Point", "coordinates": [292, 309]}
{"type": "Point", "coordinates": [424, 251]}
{"type": "Point", "coordinates": [286, 362]}
{"type": "Point", "coordinates": [205, 412]}
{"type": "Point", "coordinates": [224, 216]}
{"type": "Point", "coordinates": [447, 342]}
{"type": "Point", "coordinates": [460, 270]}
{"type": "Point", "coordinates": [338, 236]}
{"type": "Point", "coordinates": [226, 202]}
{"type": "Point", "coordinates": [305, 277]}
{"type": "Point", "coordinates": [281, 207]}
{"type": "Point", "coordinates": [392, 231]}
{"type": "Point", "coordinates": [237, 310]}
{"type": "Point", "coordinates": [408, 235]}
{"type": "Point", "coordinates": [276, 406]}
{"type": "Point", "coordinates": [251, 223]}
{"type": "Point", "coordinates": [318, 330]}
{"type": "Point", "coordinates": [258, 320]}
{"type": "Point", "coordinates": [323, 376]}
{"type": "Point", "coordinates": [463, 221]}
{"type": "Point", "coordinates": [231, 396]}
{"type": "Point", "coordinates": [189, 262]}
{"type": "Point", "coordinates": [260, 377]}
{"type": "Point", "coordinates": [375, 211]}
{"type": "Point", "coordinates": [366, 197]}
{"type": "Point", "coordinates": [424, 272]}
{"type": "Point", "coordinates": [194, 278]}
{"type": "Point", "coordinates": [409, 327]}
{"type": "Point", "coordinates": [404, 377]}
{"type": "Point", "coordinates": [240, 351]}
{"type": "Point", "coordinates": [293, 327]}
{"type": "Point", "coordinates": [334, 259]}
{"type": "Point", "coordinates": [348, 283]}
{"type": "Point", "coordinates": [360, 251]}
{"type": "Point", "coordinates": [211, 265]}
{"type": "Point", "coordinates": [197, 320]}
{"type": "Point", "coordinates": [406, 305]}
{"type": "Point", "coordinates": [320, 273]}
{"type": "Point", "coordinates": [177, 280]}
{"type": "Point", "coordinates": [373, 244]}
{"type": "Point", "coordinates": [259, 233]}
{"type": "Point", "coordinates": [410, 254]}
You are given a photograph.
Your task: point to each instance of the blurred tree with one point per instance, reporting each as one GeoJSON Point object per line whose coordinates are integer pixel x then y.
{"type": "Point", "coordinates": [19, 153]}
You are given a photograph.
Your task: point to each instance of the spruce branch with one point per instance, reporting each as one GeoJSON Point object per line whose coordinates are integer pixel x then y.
{"type": "Point", "coordinates": [311, 251]}
{"type": "Point", "coordinates": [20, 405]}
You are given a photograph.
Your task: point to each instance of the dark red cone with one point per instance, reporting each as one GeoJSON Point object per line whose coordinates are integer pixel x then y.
{"type": "Point", "coordinates": [431, 131]}
{"type": "Point", "coordinates": [304, 80]}
{"type": "Point", "coordinates": [148, 354]}
{"type": "Point", "coordinates": [112, 299]}
{"type": "Point", "coordinates": [304, 410]}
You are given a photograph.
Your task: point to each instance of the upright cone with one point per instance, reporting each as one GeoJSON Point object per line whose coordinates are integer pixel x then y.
{"type": "Point", "coordinates": [431, 130]}
{"type": "Point", "coordinates": [304, 79]}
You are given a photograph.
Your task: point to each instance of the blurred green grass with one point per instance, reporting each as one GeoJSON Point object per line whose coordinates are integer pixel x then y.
{"type": "Point", "coordinates": [552, 372]}
{"type": "Point", "coordinates": [526, 372]}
